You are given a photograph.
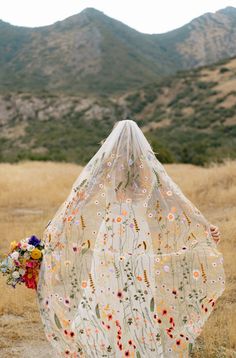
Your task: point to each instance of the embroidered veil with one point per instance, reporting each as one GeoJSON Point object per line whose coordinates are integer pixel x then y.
{"type": "Point", "coordinates": [130, 267]}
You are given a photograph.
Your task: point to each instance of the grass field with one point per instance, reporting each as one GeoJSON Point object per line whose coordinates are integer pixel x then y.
{"type": "Point", "coordinates": [29, 196]}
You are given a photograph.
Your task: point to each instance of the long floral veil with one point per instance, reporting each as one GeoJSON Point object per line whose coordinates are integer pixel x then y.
{"type": "Point", "coordinates": [125, 190]}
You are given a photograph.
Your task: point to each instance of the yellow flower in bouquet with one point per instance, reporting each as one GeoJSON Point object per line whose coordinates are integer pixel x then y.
{"type": "Point", "coordinates": [13, 245]}
{"type": "Point", "coordinates": [36, 254]}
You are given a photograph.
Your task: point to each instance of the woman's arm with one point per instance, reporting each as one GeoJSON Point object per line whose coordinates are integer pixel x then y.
{"type": "Point", "coordinates": [215, 233]}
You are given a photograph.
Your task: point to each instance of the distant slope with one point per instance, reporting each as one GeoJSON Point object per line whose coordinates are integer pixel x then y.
{"type": "Point", "coordinates": [188, 118]}
{"type": "Point", "coordinates": [91, 52]}
{"type": "Point", "coordinates": [205, 40]}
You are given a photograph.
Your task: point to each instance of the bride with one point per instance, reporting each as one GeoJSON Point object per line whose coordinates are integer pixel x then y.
{"type": "Point", "coordinates": [131, 267]}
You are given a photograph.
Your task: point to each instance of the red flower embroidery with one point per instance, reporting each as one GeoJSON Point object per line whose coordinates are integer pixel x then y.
{"type": "Point", "coordinates": [119, 294]}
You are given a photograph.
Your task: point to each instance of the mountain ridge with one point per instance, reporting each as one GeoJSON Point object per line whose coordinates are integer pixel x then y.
{"type": "Point", "coordinates": [90, 52]}
{"type": "Point", "coordinates": [94, 11]}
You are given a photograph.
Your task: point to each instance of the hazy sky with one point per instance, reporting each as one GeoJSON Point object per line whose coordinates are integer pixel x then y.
{"type": "Point", "coordinates": [150, 16]}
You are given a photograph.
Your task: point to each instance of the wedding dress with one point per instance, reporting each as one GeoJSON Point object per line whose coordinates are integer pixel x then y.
{"type": "Point", "coordinates": [130, 268]}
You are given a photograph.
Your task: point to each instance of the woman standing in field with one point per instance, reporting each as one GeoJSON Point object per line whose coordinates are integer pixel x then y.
{"type": "Point", "coordinates": [131, 267]}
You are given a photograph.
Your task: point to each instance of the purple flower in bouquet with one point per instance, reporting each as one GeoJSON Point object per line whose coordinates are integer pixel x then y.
{"type": "Point", "coordinates": [34, 241]}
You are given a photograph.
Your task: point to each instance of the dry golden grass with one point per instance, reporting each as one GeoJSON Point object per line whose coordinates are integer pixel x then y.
{"type": "Point", "coordinates": [29, 196]}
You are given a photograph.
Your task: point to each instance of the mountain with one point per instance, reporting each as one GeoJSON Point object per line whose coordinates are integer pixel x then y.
{"type": "Point", "coordinates": [93, 53]}
{"type": "Point", "coordinates": [85, 52]}
{"type": "Point", "coordinates": [205, 40]}
{"type": "Point", "coordinates": [189, 117]}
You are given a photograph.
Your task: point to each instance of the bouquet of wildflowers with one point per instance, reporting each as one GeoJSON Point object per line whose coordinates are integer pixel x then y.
{"type": "Point", "coordinates": [22, 264]}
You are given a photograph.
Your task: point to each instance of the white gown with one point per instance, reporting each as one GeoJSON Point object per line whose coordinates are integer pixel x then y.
{"type": "Point", "coordinates": [130, 268]}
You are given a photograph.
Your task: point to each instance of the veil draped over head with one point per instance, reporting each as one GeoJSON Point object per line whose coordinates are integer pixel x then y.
{"type": "Point", "coordinates": [130, 267]}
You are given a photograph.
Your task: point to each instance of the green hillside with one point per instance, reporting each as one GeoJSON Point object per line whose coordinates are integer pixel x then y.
{"type": "Point", "coordinates": [190, 118]}
{"type": "Point", "coordinates": [193, 114]}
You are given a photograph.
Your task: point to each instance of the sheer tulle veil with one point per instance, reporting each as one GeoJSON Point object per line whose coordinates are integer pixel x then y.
{"type": "Point", "coordinates": [128, 258]}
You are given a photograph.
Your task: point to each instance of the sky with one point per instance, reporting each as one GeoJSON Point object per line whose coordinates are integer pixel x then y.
{"type": "Point", "coordinates": [148, 16]}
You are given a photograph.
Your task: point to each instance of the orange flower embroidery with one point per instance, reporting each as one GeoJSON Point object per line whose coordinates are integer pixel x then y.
{"type": "Point", "coordinates": [196, 274]}
{"type": "Point", "coordinates": [170, 217]}
{"type": "Point", "coordinates": [84, 284]}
